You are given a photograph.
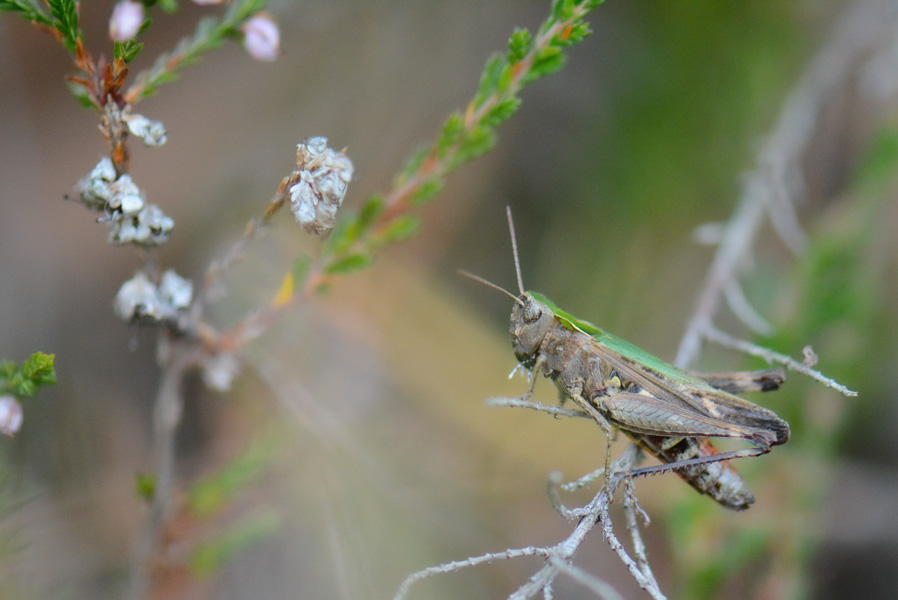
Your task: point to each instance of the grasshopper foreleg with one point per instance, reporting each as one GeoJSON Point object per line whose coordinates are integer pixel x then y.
{"type": "Point", "coordinates": [533, 376]}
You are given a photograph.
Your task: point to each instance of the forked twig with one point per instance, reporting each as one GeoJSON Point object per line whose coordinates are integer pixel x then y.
{"type": "Point", "coordinates": [559, 556]}
{"type": "Point", "coordinates": [727, 341]}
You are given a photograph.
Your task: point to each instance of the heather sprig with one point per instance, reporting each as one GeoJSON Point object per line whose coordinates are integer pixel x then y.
{"type": "Point", "coordinates": [22, 381]}
{"type": "Point", "coordinates": [388, 218]}
{"type": "Point", "coordinates": [26, 379]}
{"type": "Point", "coordinates": [62, 20]}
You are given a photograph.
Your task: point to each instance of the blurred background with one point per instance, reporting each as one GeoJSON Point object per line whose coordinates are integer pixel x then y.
{"type": "Point", "coordinates": [356, 447]}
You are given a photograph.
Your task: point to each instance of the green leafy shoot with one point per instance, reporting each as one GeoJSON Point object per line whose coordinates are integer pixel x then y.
{"type": "Point", "coordinates": [401, 228]}
{"type": "Point", "coordinates": [349, 264]}
{"type": "Point", "coordinates": [210, 495]}
{"type": "Point", "coordinates": [145, 486]}
{"type": "Point", "coordinates": [209, 498]}
{"type": "Point", "coordinates": [464, 136]}
{"type": "Point", "coordinates": [63, 17]}
{"type": "Point", "coordinates": [469, 134]}
{"type": "Point", "coordinates": [210, 34]}
{"type": "Point", "coordinates": [428, 191]}
{"type": "Point", "coordinates": [168, 6]}
{"type": "Point", "coordinates": [65, 20]}
{"type": "Point", "coordinates": [519, 45]}
{"type": "Point", "coordinates": [300, 268]}
{"type": "Point", "coordinates": [28, 10]}
{"type": "Point", "coordinates": [24, 381]}
{"type": "Point", "coordinates": [208, 558]}
{"type": "Point", "coordinates": [129, 50]}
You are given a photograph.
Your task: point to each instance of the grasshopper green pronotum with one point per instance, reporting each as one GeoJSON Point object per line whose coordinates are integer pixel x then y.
{"type": "Point", "coordinates": [668, 412]}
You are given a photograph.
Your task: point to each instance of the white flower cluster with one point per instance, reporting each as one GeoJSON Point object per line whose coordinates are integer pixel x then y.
{"type": "Point", "coordinates": [151, 132]}
{"type": "Point", "coordinates": [139, 299]}
{"type": "Point", "coordinates": [131, 220]}
{"type": "Point", "coordinates": [318, 185]}
{"type": "Point", "coordinates": [10, 415]}
{"type": "Point", "coordinates": [149, 227]}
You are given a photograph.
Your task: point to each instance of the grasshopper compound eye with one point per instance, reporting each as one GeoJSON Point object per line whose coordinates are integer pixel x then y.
{"type": "Point", "coordinates": [532, 311]}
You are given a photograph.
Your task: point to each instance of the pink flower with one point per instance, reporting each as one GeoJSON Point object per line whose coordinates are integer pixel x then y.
{"type": "Point", "coordinates": [204, 2]}
{"type": "Point", "coordinates": [125, 21]}
{"type": "Point", "coordinates": [10, 415]}
{"type": "Point", "coordinates": [261, 38]}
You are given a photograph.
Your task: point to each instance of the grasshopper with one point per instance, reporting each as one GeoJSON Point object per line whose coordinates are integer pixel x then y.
{"type": "Point", "coordinates": [668, 412]}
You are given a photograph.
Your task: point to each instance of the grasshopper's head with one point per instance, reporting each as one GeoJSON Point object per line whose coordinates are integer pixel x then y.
{"type": "Point", "coordinates": [530, 322]}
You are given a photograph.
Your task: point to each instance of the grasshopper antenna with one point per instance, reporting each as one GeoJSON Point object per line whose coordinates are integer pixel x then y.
{"type": "Point", "coordinates": [487, 283]}
{"type": "Point", "coordinates": [514, 249]}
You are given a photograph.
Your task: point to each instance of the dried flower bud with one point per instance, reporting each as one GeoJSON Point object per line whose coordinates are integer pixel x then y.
{"type": "Point", "coordinates": [94, 190]}
{"type": "Point", "coordinates": [125, 196]}
{"type": "Point", "coordinates": [319, 184]}
{"type": "Point", "coordinates": [149, 227]}
{"type": "Point", "coordinates": [102, 191]}
{"type": "Point", "coordinates": [219, 371]}
{"type": "Point", "coordinates": [10, 415]}
{"type": "Point", "coordinates": [104, 171]}
{"type": "Point", "coordinates": [138, 298]}
{"type": "Point", "coordinates": [261, 38]}
{"type": "Point", "coordinates": [151, 132]}
{"type": "Point", "coordinates": [175, 291]}
{"type": "Point", "coordinates": [125, 21]}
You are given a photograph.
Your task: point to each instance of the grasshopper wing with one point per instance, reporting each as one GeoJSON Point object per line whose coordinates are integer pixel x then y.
{"type": "Point", "coordinates": [678, 390]}
{"type": "Point", "coordinates": [685, 394]}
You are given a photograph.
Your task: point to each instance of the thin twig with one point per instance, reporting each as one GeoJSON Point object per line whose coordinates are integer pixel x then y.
{"type": "Point", "coordinates": [631, 510]}
{"type": "Point", "coordinates": [559, 556]}
{"type": "Point", "coordinates": [743, 309]}
{"type": "Point", "coordinates": [552, 488]}
{"type": "Point", "coordinates": [254, 229]}
{"type": "Point", "coordinates": [727, 341]}
{"type": "Point", "coordinates": [600, 588]}
{"type": "Point", "coordinates": [458, 565]}
{"type": "Point", "coordinates": [168, 409]}
{"type": "Point", "coordinates": [585, 481]}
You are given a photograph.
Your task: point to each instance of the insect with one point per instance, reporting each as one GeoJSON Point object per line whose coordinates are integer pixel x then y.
{"type": "Point", "coordinates": [670, 413]}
